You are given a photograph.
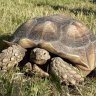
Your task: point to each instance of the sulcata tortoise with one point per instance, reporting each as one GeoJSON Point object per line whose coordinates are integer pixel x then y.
{"type": "Point", "coordinates": [66, 44]}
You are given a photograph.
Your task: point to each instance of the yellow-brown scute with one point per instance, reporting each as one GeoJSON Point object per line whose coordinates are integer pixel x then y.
{"type": "Point", "coordinates": [49, 27]}
{"type": "Point", "coordinates": [77, 30]}
{"type": "Point", "coordinates": [50, 31]}
{"type": "Point", "coordinates": [45, 31]}
{"type": "Point", "coordinates": [75, 34]}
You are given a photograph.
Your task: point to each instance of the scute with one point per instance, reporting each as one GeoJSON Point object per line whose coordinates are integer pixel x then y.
{"type": "Point", "coordinates": [23, 31]}
{"type": "Point", "coordinates": [75, 34]}
{"type": "Point", "coordinates": [45, 31]}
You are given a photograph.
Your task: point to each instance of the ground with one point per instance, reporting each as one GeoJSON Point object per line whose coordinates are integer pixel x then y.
{"type": "Point", "coordinates": [15, 12]}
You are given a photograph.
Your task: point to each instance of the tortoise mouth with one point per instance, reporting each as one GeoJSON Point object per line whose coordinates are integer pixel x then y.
{"type": "Point", "coordinates": [40, 62]}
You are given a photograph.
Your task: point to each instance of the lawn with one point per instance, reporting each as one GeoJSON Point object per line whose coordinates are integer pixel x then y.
{"type": "Point", "coordinates": [15, 12]}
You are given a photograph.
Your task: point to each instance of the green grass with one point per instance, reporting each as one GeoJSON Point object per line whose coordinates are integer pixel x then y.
{"type": "Point", "coordinates": [15, 12]}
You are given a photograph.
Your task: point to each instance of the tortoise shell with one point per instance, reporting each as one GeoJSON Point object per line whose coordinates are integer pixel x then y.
{"type": "Point", "coordinates": [60, 35]}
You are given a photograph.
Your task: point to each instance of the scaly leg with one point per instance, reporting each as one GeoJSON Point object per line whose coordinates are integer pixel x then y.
{"type": "Point", "coordinates": [11, 56]}
{"type": "Point", "coordinates": [65, 72]}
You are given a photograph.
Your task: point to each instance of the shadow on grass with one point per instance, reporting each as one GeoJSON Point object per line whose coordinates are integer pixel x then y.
{"type": "Point", "coordinates": [92, 74]}
{"type": "Point", "coordinates": [85, 11]}
{"type": "Point", "coordinates": [55, 7]}
{"type": "Point", "coordinates": [2, 44]}
{"type": "Point", "coordinates": [93, 1]}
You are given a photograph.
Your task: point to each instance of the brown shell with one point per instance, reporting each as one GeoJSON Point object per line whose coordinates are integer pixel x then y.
{"type": "Point", "coordinates": [59, 34]}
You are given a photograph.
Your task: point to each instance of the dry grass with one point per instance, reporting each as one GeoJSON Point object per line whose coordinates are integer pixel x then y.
{"type": "Point", "coordinates": [15, 12]}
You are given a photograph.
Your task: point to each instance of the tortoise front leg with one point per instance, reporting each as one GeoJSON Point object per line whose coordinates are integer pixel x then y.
{"type": "Point", "coordinates": [65, 72]}
{"type": "Point", "coordinates": [39, 72]}
{"type": "Point", "coordinates": [33, 69]}
{"type": "Point", "coordinates": [11, 56]}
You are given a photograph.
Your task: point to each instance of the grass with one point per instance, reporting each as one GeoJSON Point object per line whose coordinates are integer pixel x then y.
{"type": "Point", "coordinates": [15, 12]}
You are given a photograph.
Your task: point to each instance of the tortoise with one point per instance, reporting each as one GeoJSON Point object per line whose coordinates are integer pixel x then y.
{"type": "Point", "coordinates": [61, 41]}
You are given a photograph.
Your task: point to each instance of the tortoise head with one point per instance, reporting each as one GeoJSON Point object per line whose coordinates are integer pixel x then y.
{"type": "Point", "coordinates": [39, 56]}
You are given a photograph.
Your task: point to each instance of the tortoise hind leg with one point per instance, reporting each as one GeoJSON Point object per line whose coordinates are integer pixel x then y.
{"type": "Point", "coordinates": [65, 72]}
{"type": "Point", "coordinates": [11, 56]}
